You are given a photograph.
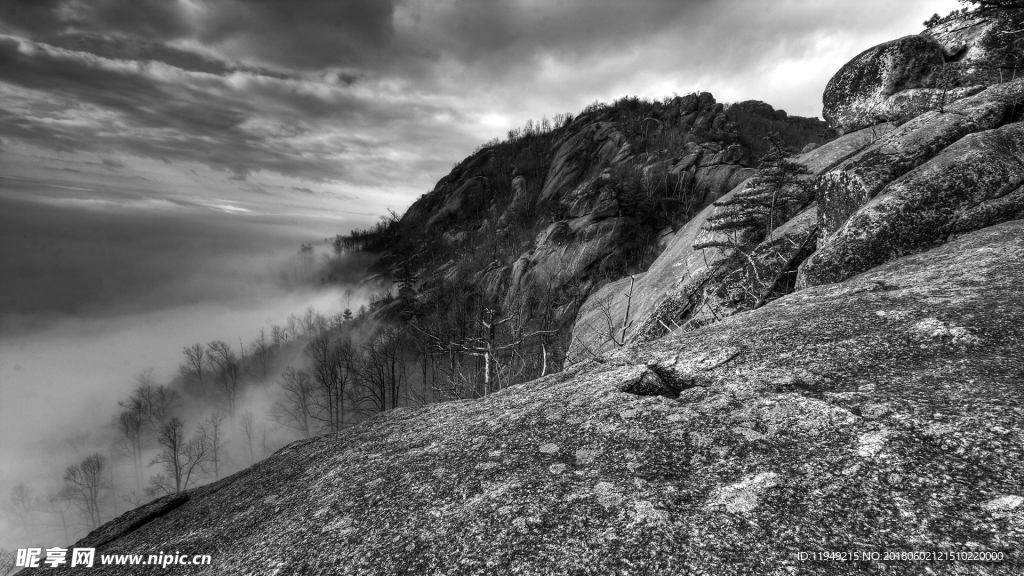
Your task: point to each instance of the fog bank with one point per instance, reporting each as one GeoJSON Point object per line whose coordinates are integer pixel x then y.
{"type": "Point", "coordinates": [92, 294]}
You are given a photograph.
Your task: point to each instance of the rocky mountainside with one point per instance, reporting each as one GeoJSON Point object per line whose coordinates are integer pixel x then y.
{"type": "Point", "coordinates": [917, 165]}
{"type": "Point", "coordinates": [528, 228]}
{"type": "Point", "coordinates": [825, 358]}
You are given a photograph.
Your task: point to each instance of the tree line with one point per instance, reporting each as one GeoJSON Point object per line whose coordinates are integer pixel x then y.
{"type": "Point", "coordinates": [167, 438]}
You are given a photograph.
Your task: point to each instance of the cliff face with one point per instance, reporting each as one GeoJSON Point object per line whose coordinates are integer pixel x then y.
{"type": "Point", "coordinates": [531, 226]}
{"type": "Point", "coordinates": [844, 377]}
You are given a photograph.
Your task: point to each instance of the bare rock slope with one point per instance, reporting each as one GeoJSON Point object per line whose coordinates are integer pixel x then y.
{"type": "Point", "coordinates": [881, 413]}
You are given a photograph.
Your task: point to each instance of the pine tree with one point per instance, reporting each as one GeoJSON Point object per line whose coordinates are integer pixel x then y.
{"type": "Point", "coordinates": [773, 196]}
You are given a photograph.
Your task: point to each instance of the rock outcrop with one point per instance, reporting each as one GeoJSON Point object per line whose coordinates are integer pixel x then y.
{"type": "Point", "coordinates": [859, 95]}
{"type": "Point", "coordinates": [964, 40]}
{"type": "Point", "coordinates": [878, 414]}
{"type": "Point", "coordinates": [533, 225]}
{"type": "Point", "coordinates": [900, 80]}
{"type": "Point", "coordinates": [972, 184]}
{"type": "Point", "coordinates": [673, 291]}
{"type": "Point", "coordinates": [899, 184]}
{"type": "Point", "coordinates": [847, 187]}
{"type": "Point", "coordinates": [564, 251]}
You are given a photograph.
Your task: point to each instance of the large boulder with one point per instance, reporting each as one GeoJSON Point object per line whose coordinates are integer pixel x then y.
{"type": "Point", "coordinates": [970, 184]}
{"type": "Point", "coordinates": [988, 213]}
{"type": "Point", "coordinates": [880, 414]}
{"type": "Point", "coordinates": [856, 97]}
{"type": "Point", "coordinates": [843, 189]}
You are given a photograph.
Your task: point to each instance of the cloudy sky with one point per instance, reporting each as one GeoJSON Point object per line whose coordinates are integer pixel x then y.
{"type": "Point", "coordinates": [162, 160]}
{"type": "Point", "coordinates": [356, 105]}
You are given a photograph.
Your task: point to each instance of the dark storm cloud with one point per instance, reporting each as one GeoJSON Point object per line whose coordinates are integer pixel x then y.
{"type": "Point", "coordinates": [161, 18]}
{"type": "Point", "coordinates": [381, 93]}
{"type": "Point", "coordinates": [473, 29]}
{"type": "Point", "coordinates": [310, 33]}
{"type": "Point", "coordinates": [174, 115]}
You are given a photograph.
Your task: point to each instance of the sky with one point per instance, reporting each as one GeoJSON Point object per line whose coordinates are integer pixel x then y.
{"type": "Point", "coordinates": [161, 161]}
{"type": "Point", "coordinates": [362, 105]}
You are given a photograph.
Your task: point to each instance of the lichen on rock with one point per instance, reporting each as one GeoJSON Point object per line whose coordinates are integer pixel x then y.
{"type": "Point", "coordinates": [857, 96]}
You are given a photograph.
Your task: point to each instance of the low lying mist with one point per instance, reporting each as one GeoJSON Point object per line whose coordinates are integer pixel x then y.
{"type": "Point", "coordinates": [98, 305]}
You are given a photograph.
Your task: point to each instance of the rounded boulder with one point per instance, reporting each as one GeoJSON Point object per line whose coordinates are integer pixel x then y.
{"type": "Point", "coordinates": [856, 96]}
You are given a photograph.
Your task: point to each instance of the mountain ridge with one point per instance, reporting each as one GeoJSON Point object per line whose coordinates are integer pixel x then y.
{"type": "Point", "coordinates": [531, 226]}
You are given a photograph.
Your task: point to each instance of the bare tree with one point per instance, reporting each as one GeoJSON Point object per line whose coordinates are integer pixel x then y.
{"type": "Point", "coordinates": [312, 323]}
{"type": "Point", "coordinates": [617, 334]}
{"type": "Point", "coordinates": [183, 460]}
{"type": "Point", "coordinates": [154, 404]}
{"type": "Point", "coordinates": [247, 424]}
{"type": "Point", "coordinates": [337, 321]}
{"type": "Point", "coordinates": [195, 360]}
{"type": "Point", "coordinates": [129, 441]}
{"type": "Point", "coordinates": [8, 559]}
{"type": "Point", "coordinates": [296, 406]}
{"type": "Point", "coordinates": [212, 431]}
{"type": "Point", "coordinates": [382, 370]}
{"type": "Point", "coordinates": [59, 505]}
{"type": "Point", "coordinates": [266, 441]}
{"type": "Point", "coordinates": [85, 483]}
{"type": "Point", "coordinates": [228, 373]}
{"type": "Point", "coordinates": [261, 353]}
{"type": "Point", "coordinates": [19, 505]}
{"type": "Point", "coordinates": [332, 369]}
{"type": "Point", "coordinates": [486, 342]}
{"type": "Point", "coordinates": [279, 335]}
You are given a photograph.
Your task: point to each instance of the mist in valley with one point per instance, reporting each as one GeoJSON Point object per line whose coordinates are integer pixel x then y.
{"type": "Point", "coordinates": [93, 325]}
